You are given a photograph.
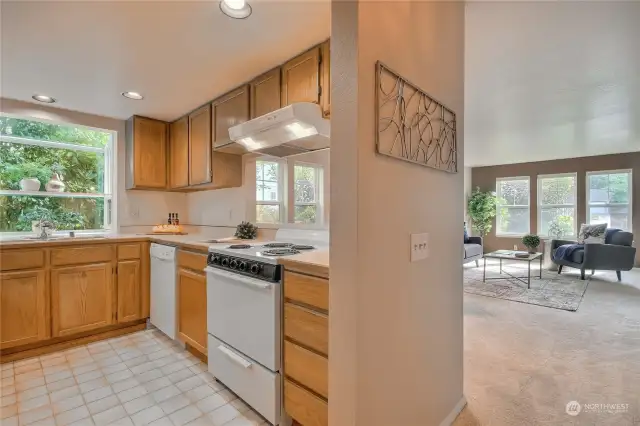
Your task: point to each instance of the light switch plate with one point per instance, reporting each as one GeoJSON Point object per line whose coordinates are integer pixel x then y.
{"type": "Point", "coordinates": [419, 247]}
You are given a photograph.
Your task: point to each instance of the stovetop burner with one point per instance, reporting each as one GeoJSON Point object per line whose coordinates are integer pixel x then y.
{"type": "Point", "coordinates": [302, 247]}
{"type": "Point", "coordinates": [239, 246]}
{"type": "Point", "coordinates": [278, 245]}
{"type": "Point", "coordinates": [280, 252]}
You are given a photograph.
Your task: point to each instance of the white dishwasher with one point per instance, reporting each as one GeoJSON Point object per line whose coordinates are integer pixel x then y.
{"type": "Point", "coordinates": [163, 288]}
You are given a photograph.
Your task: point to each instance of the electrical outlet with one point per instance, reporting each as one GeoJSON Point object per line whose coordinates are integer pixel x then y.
{"type": "Point", "coordinates": [419, 247]}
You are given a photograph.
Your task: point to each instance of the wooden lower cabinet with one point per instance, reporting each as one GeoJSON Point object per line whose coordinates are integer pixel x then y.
{"type": "Point", "coordinates": [192, 308]}
{"type": "Point", "coordinates": [305, 407]}
{"type": "Point", "coordinates": [23, 308]}
{"type": "Point", "coordinates": [81, 298]}
{"type": "Point", "coordinates": [129, 290]}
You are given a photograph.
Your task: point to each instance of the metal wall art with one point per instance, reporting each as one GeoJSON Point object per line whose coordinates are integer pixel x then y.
{"type": "Point", "coordinates": [411, 125]}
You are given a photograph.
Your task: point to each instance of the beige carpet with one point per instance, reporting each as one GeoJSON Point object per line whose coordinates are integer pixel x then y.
{"type": "Point", "coordinates": [524, 363]}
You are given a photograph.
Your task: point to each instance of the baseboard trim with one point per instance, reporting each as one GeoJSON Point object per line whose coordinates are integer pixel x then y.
{"type": "Point", "coordinates": [448, 421]}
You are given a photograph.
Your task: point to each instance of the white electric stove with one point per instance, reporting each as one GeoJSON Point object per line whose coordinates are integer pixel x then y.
{"type": "Point", "coordinates": [244, 316]}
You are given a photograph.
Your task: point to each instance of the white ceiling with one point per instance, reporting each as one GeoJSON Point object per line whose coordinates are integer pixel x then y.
{"type": "Point", "coordinates": [547, 80]}
{"type": "Point", "coordinates": [178, 54]}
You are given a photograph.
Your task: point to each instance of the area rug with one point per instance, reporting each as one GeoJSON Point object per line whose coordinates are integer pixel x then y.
{"type": "Point", "coordinates": [563, 291]}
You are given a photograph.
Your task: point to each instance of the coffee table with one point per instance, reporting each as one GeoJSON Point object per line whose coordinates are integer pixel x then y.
{"type": "Point", "coordinates": [511, 255]}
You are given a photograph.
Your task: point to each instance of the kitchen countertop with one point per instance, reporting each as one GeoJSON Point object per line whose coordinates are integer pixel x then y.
{"type": "Point", "coordinates": [191, 241]}
{"type": "Point", "coordinates": [314, 263]}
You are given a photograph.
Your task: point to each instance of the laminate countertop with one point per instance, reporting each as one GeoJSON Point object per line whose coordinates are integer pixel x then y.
{"type": "Point", "coordinates": [314, 263]}
{"type": "Point", "coordinates": [195, 242]}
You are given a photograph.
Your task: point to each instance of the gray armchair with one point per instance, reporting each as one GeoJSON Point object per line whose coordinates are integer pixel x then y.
{"type": "Point", "coordinates": [473, 250]}
{"type": "Point", "coordinates": [616, 254]}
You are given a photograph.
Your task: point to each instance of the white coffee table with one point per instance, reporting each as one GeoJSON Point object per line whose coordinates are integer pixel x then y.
{"type": "Point", "coordinates": [511, 255]}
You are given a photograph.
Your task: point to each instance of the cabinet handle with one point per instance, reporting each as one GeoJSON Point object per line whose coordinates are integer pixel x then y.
{"type": "Point", "coordinates": [234, 357]}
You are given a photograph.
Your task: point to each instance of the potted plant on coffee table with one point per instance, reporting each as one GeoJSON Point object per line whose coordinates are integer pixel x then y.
{"type": "Point", "coordinates": [531, 241]}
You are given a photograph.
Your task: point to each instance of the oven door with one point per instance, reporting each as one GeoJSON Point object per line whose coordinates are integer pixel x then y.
{"type": "Point", "coordinates": [244, 313]}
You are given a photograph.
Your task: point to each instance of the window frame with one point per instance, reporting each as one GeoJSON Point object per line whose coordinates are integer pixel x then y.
{"type": "Point", "coordinates": [109, 183]}
{"type": "Point", "coordinates": [629, 204]}
{"type": "Point", "coordinates": [281, 190]}
{"type": "Point", "coordinates": [318, 175]}
{"type": "Point", "coordinates": [528, 206]}
{"type": "Point", "coordinates": [574, 206]}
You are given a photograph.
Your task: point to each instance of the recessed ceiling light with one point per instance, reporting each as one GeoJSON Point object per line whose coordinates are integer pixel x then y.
{"type": "Point", "coordinates": [43, 98]}
{"type": "Point", "coordinates": [133, 95]}
{"type": "Point", "coordinates": [237, 9]}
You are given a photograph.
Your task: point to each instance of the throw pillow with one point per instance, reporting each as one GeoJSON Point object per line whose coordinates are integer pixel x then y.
{"type": "Point", "coordinates": [592, 234]}
{"type": "Point", "coordinates": [466, 235]}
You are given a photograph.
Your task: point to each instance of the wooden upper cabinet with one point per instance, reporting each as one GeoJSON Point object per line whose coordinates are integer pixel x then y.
{"type": "Point", "coordinates": [179, 153]}
{"type": "Point", "coordinates": [301, 78]}
{"type": "Point", "coordinates": [265, 93]}
{"type": "Point", "coordinates": [146, 149]}
{"type": "Point", "coordinates": [325, 78]}
{"type": "Point", "coordinates": [81, 298]}
{"type": "Point", "coordinates": [200, 146]}
{"type": "Point", "coordinates": [228, 111]}
{"type": "Point", "coordinates": [24, 308]}
{"type": "Point", "coordinates": [129, 290]}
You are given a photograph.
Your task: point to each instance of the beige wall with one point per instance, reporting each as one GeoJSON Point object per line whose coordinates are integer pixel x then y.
{"type": "Point", "coordinates": [396, 337]}
{"type": "Point", "coordinates": [485, 178]}
{"type": "Point", "coordinates": [137, 210]}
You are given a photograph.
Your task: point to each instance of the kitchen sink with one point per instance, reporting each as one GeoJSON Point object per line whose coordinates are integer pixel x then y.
{"type": "Point", "coordinates": [64, 237]}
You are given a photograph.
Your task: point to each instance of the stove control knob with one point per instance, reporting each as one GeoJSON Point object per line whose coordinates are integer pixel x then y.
{"type": "Point", "coordinates": [225, 262]}
{"type": "Point", "coordinates": [233, 264]}
{"type": "Point", "coordinates": [242, 266]}
{"type": "Point", "coordinates": [216, 260]}
{"type": "Point", "coordinates": [255, 268]}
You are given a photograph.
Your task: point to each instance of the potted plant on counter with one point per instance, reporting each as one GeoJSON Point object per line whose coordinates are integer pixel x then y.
{"type": "Point", "coordinates": [531, 241]}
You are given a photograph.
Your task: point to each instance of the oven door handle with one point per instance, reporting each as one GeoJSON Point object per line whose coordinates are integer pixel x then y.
{"type": "Point", "coordinates": [234, 357]}
{"type": "Point", "coordinates": [253, 282]}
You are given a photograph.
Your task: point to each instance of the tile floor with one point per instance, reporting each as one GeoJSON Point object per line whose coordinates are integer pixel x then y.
{"type": "Point", "coordinates": [134, 380]}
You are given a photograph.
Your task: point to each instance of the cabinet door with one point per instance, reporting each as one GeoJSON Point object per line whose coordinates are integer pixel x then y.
{"type": "Point", "coordinates": [24, 317]}
{"type": "Point", "coordinates": [300, 78]}
{"type": "Point", "coordinates": [149, 153]}
{"type": "Point", "coordinates": [192, 296]}
{"type": "Point", "coordinates": [265, 93]}
{"type": "Point", "coordinates": [325, 78]}
{"type": "Point", "coordinates": [81, 298]}
{"type": "Point", "coordinates": [200, 146]}
{"type": "Point", "coordinates": [129, 290]}
{"type": "Point", "coordinates": [179, 153]}
{"type": "Point", "coordinates": [228, 111]}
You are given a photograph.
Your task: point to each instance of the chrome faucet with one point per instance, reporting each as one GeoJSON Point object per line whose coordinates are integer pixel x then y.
{"type": "Point", "coordinates": [44, 225]}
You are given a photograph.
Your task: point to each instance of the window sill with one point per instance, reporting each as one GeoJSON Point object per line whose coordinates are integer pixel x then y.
{"type": "Point", "coordinates": [510, 235]}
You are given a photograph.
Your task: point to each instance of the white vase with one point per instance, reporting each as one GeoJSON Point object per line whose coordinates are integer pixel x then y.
{"type": "Point", "coordinates": [55, 184]}
{"type": "Point", "coordinates": [30, 184]}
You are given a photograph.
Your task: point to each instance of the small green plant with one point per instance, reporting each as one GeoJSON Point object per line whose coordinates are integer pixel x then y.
{"type": "Point", "coordinates": [481, 208]}
{"type": "Point", "coordinates": [531, 241]}
{"type": "Point", "coordinates": [246, 231]}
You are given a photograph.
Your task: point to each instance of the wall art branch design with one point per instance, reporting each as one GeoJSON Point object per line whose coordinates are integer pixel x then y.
{"type": "Point", "coordinates": [411, 125]}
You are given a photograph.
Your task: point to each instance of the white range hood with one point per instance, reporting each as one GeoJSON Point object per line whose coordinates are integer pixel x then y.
{"type": "Point", "coordinates": [295, 129]}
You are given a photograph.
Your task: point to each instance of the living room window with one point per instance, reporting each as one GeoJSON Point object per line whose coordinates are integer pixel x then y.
{"type": "Point", "coordinates": [557, 203]}
{"type": "Point", "coordinates": [512, 217]}
{"type": "Point", "coordinates": [59, 173]}
{"type": "Point", "coordinates": [609, 198]}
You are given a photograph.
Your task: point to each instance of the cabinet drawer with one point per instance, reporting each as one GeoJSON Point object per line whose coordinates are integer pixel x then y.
{"type": "Point", "coordinates": [304, 407]}
{"type": "Point", "coordinates": [128, 251]}
{"type": "Point", "coordinates": [306, 368]}
{"type": "Point", "coordinates": [78, 255]}
{"type": "Point", "coordinates": [190, 260]}
{"type": "Point", "coordinates": [21, 259]}
{"type": "Point", "coordinates": [307, 289]}
{"type": "Point", "coordinates": [307, 327]}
